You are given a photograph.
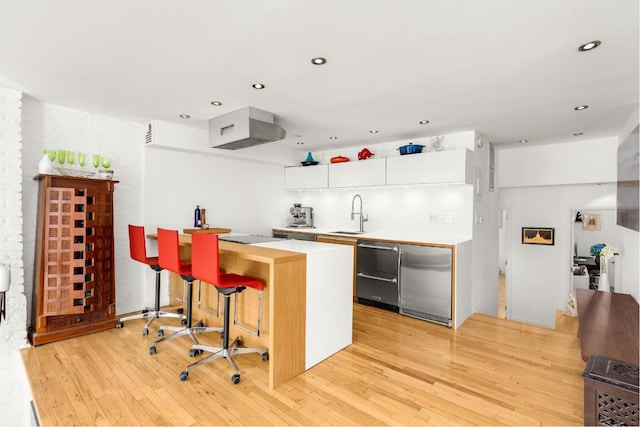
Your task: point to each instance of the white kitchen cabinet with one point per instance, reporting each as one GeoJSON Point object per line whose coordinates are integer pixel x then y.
{"type": "Point", "coordinates": [306, 177]}
{"type": "Point", "coordinates": [360, 173]}
{"type": "Point", "coordinates": [436, 167]}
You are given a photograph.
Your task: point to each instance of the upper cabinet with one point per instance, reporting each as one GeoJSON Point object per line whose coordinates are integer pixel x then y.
{"type": "Point", "coordinates": [306, 177]}
{"type": "Point", "coordinates": [361, 173]}
{"type": "Point", "coordinates": [436, 167]}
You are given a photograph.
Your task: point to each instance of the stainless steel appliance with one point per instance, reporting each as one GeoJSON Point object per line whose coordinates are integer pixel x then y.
{"type": "Point", "coordinates": [377, 274]}
{"type": "Point", "coordinates": [300, 216]}
{"type": "Point", "coordinates": [294, 236]}
{"type": "Point", "coordinates": [426, 283]}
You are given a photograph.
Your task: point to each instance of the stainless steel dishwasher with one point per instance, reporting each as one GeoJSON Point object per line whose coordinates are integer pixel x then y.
{"type": "Point", "coordinates": [377, 274]}
{"type": "Point", "coordinates": [426, 283]}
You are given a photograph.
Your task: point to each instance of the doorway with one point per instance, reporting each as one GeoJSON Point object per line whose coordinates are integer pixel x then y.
{"type": "Point", "coordinates": [504, 254]}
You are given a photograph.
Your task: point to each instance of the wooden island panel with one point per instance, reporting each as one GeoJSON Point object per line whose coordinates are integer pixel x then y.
{"type": "Point", "coordinates": [284, 302]}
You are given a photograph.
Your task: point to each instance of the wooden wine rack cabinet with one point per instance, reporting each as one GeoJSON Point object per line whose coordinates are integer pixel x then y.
{"type": "Point", "coordinates": [74, 279]}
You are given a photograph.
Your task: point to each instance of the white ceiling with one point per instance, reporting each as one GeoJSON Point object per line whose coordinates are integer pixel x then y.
{"type": "Point", "coordinates": [508, 69]}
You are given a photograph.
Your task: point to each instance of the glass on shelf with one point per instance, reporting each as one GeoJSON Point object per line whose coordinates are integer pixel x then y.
{"type": "Point", "coordinates": [71, 157]}
{"type": "Point", "coordinates": [82, 159]}
{"type": "Point", "coordinates": [106, 162]}
{"type": "Point", "coordinates": [96, 160]}
{"type": "Point", "coordinates": [62, 156]}
{"type": "Point", "coordinates": [51, 154]}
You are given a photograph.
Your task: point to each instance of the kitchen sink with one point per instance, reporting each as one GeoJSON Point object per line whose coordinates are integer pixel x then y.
{"type": "Point", "coordinates": [347, 232]}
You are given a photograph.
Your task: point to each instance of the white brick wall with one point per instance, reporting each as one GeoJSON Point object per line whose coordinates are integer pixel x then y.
{"type": "Point", "coordinates": [48, 126]}
{"type": "Point", "coordinates": [13, 328]}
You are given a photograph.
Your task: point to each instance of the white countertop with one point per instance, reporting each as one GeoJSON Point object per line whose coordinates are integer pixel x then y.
{"type": "Point", "coordinates": [302, 246]}
{"type": "Point", "coordinates": [409, 237]}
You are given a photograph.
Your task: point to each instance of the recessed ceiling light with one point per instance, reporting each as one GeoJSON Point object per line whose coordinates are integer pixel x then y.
{"type": "Point", "coordinates": [258, 86]}
{"type": "Point", "coordinates": [578, 133]}
{"type": "Point", "coordinates": [216, 103]}
{"type": "Point", "coordinates": [318, 60]}
{"type": "Point", "coordinates": [185, 116]}
{"type": "Point", "coordinates": [373, 131]}
{"type": "Point", "coordinates": [589, 46]}
{"type": "Point", "coordinates": [523, 141]}
{"type": "Point", "coordinates": [300, 143]}
{"type": "Point", "coordinates": [581, 107]}
{"type": "Point", "coordinates": [333, 137]}
{"type": "Point", "coordinates": [423, 122]}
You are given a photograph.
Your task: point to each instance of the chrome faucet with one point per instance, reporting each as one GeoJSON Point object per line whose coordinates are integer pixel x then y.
{"type": "Point", "coordinates": [363, 217]}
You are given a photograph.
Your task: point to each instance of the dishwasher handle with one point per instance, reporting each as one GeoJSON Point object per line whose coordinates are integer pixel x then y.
{"type": "Point", "coordinates": [384, 248]}
{"type": "Point", "coordinates": [383, 279]}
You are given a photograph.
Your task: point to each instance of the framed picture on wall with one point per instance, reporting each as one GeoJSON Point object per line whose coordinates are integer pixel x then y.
{"type": "Point", "coordinates": [591, 222]}
{"type": "Point", "coordinates": [538, 236]}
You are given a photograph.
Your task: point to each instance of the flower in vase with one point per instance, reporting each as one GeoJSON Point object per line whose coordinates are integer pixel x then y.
{"type": "Point", "coordinates": [608, 251]}
{"type": "Point", "coordinates": [596, 249]}
{"type": "Point", "coordinates": [603, 252]}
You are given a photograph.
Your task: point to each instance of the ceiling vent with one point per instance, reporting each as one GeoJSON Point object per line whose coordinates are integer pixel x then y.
{"type": "Point", "coordinates": [243, 128]}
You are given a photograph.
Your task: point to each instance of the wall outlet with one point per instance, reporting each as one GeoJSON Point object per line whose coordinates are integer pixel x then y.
{"type": "Point", "coordinates": [446, 218]}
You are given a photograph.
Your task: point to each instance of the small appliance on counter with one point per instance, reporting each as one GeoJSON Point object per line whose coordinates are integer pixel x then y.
{"type": "Point", "coordinates": [301, 216]}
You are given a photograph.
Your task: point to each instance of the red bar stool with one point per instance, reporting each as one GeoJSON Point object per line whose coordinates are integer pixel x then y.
{"type": "Point", "coordinates": [138, 251]}
{"type": "Point", "coordinates": [169, 258]}
{"type": "Point", "coordinates": [206, 267]}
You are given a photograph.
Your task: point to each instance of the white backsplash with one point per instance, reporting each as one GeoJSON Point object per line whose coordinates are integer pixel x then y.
{"type": "Point", "coordinates": [391, 209]}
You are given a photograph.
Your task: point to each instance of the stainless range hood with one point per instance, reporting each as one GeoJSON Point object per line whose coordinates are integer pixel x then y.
{"type": "Point", "coordinates": [244, 128]}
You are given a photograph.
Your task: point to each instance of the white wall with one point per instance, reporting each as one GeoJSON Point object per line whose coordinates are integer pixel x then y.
{"type": "Point", "coordinates": [539, 280]}
{"type": "Point", "coordinates": [485, 236]}
{"type": "Point", "coordinates": [575, 162]}
{"type": "Point", "coordinates": [243, 195]}
{"type": "Point", "coordinates": [397, 209]}
{"type": "Point", "coordinates": [48, 126]}
{"type": "Point", "coordinates": [13, 332]}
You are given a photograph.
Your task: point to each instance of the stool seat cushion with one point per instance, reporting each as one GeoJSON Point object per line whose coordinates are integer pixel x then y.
{"type": "Point", "coordinates": [231, 280]}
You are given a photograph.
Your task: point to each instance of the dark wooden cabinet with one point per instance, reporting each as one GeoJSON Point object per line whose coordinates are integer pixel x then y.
{"type": "Point", "coordinates": [74, 278]}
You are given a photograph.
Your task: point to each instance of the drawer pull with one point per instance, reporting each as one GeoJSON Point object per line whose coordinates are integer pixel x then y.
{"type": "Point", "coordinates": [383, 279]}
{"type": "Point", "coordinates": [384, 248]}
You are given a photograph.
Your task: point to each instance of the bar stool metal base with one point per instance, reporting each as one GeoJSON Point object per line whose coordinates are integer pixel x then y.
{"type": "Point", "coordinates": [189, 330]}
{"type": "Point", "coordinates": [224, 351]}
{"type": "Point", "coordinates": [219, 352]}
{"type": "Point", "coordinates": [152, 315]}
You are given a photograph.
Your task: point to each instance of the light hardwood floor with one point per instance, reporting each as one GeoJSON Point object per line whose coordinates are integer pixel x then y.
{"type": "Point", "coordinates": [398, 371]}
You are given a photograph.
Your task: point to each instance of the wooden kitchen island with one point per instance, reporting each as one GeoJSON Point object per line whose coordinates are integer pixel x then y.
{"type": "Point", "coordinates": [286, 317]}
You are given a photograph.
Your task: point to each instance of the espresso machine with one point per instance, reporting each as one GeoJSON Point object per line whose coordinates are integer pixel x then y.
{"type": "Point", "coordinates": [300, 216]}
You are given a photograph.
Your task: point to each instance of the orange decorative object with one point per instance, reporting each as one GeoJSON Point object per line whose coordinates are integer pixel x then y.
{"type": "Point", "coordinates": [339, 159]}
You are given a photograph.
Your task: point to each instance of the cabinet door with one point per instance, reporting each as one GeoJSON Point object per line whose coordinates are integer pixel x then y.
{"type": "Point", "coordinates": [63, 284]}
{"type": "Point", "coordinates": [362, 173]}
{"type": "Point", "coordinates": [300, 178]}
{"type": "Point", "coordinates": [99, 269]}
{"type": "Point", "coordinates": [437, 167]}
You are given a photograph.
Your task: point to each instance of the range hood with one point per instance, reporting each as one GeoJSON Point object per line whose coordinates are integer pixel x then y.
{"type": "Point", "coordinates": [244, 128]}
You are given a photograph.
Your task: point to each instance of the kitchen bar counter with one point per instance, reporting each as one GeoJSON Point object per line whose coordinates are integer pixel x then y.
{"type": "Point", "coordinates": [288, 312]}
{"type": "Point", "coordinates": [329, 307]}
